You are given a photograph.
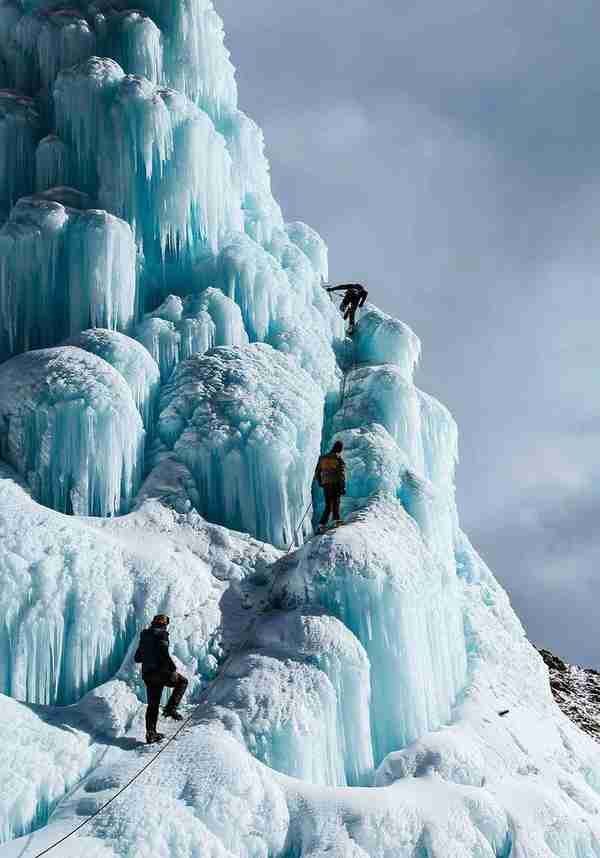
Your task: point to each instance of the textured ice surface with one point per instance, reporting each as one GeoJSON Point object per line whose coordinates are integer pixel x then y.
{"type": "Point", "coordinates": [62, 270]}
{"type": "Point", "coordinates": [132, 361]}
{"type": "Point", "coordinates": [49, 42]}
{"type": "Point", "coordinates": [378, 578]}
{"type": "Point", "coordinates": [19, 132]}
{"type": "Point", "coordinates": [54, 164]}
{"type": "Point", "coordinates": [69, 425]}
{"type": "Point", "coordinates": [483, 785]}
{"type": "Point", "coordinates": [179, 329]}
{"type": "Point", "coordinates": [323, 641]}
{"type": "Point", "coordinates": [150, 156]}
{"type": "Point", "coordinates": [44, 761]}
{"type": "Point", "coordinates": [246, 422]}
{"type": "Point", "coordinates": [298, 698]}
{"type": "Point", "coordinates": [74, 591]}
{"type": "Point", "coordinates": [378, 338]}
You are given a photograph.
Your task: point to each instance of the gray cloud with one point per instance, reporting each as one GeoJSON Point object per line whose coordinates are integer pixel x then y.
{"type": "Point", "coordinates": [450, 157]}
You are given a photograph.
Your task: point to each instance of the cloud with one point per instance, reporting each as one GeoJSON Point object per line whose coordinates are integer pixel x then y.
{"type": "Point", "coordinates": [449, 156]}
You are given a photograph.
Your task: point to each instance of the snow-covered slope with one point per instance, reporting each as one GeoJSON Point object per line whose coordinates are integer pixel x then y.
{"type": "Point", "coordinates": [172, 368]}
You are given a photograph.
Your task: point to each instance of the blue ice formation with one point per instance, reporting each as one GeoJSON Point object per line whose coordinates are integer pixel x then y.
{"type": "Point", "coordinates": [137, 149]}
{"type": "Point", "coordinates": [76, 589]}
{"type": "Point", "coordinates": [179, 329]}
{"type": "Point", "coordinates": [172, 368]}
{"type": "Point", "coordinates": [321, 642]}
{"type": "Point", "coordinates": [246, 422]}
{"type": "Point", "coordinates": [54, 164]}
{"type": "Point", "coordinates": [19, 132]}
{"type": "Point", "coordinates": [379, 339]}
{"type": "Point", "coordinates": [70, 427]}
{"type": "Point", "coordinates": [132, 361]}
{"type": "Point", "coordinates": [397, 600]}
{"type": "Point", "coordinates": [62, 270]}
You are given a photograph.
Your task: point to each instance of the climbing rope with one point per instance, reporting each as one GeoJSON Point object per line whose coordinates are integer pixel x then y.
{"type": "Point", "coordinates": [291, 545]}
{"type": "Point", "coordinates": [116, 795]}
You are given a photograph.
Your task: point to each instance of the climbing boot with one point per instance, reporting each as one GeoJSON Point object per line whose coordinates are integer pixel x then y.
{"type": "Point", "coordinates": [172, 713]}
{"type": "Point", "coordinates": [152, 737]}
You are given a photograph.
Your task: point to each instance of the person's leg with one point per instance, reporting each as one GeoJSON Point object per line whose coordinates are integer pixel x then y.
{"type": "Point", "coordinates": [351, 316]}
{"type": "Point", "coordinates": [336, 507]}
{"type": "Point", "coordinates": [179, 685]}
{"type": "Point", "coordinates": [328, 506]}
{"type": "Point", "coordinates": [154, 692]}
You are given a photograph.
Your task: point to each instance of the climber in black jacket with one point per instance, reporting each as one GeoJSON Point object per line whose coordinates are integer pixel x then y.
{"type": "Point", "coordinates": [159, 671]}
{"type": "Point", "coordinates": [355, 296]}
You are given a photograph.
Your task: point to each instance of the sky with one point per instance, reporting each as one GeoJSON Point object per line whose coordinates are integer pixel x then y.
{"type": "Point", "coordinates": [449, 154]}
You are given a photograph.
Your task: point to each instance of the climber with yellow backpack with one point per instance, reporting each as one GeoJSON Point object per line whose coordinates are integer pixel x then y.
{"type": "Point", "coordinates": [331, 476]}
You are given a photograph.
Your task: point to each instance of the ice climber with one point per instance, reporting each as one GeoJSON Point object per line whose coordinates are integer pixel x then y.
{"type": "Point", "coordinates": [355, 297]}
{"type": "Point", "coordinates": [331, 476]}
{"type": "Point", "coordinates": [159, 671]}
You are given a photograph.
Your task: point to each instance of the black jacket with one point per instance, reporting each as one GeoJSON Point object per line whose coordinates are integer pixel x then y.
{"type": "Point", "coordinates": [153, 651]}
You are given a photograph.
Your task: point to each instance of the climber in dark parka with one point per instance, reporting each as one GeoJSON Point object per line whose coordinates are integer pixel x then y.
{"type": "Point", "coordinates": [331, 476]}
{"type": "Point", "coordinates": [159, 671]}
{"type": "Point", "coordinates": [355, 297]}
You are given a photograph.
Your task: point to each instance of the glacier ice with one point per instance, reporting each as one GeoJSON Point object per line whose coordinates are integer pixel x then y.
{"type": "Point", "coordinates": [52, 41]}
{"type": "Point", "coordinates": [179, 329]}
{"type": "Point", "coordinates": [298, 698]}
{"type": "Point", "coordinates": [345, 696]}
{"type": "Point", "coordinates": [255, 280]}
{"type": "Point", "coordinates": [44, 759]}
{"type": "Point", "coordinates": [62, 270]}
{"type": "Point", "coordinates": [150, 156]}
{"type": "Point", "coordinates": [19, 132]}
{"type": "Point", "coordinates": [69, 425]}
{"type": "Point", "coordinates": [398, 601]}
{"type": "Point", "coordinates": [324, 642]}
{"type": "Point", "coordinates": [76, 589]}
{"type": "Point", "coordinates": [54, 165]}
{"type": "Point", "coordinates": [379, 339]}
{"type": "Point", "coordinates": [246, 422]}
{"type": "Point", "coordinates": [132, 361]}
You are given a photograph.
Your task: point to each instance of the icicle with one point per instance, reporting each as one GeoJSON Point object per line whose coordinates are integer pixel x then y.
{"type": "Point", "coordinates": [54, 164]}
{"type": "Point", "coordinates": [20, 129]}
{"type": "Point", "coordinates": [154, 159]}
{"type": "Point", "coordinates": [62, 270]}
{"type": "Point", "coordinates": [71, 428]}
{"type": "Point", "coordinates": [177, 330]}
{"type": "Point", "coordinates": [132, 361]}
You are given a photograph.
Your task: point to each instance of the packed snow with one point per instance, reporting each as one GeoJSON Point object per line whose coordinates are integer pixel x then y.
{"type": "Point", "coordinates": [172, 369]}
